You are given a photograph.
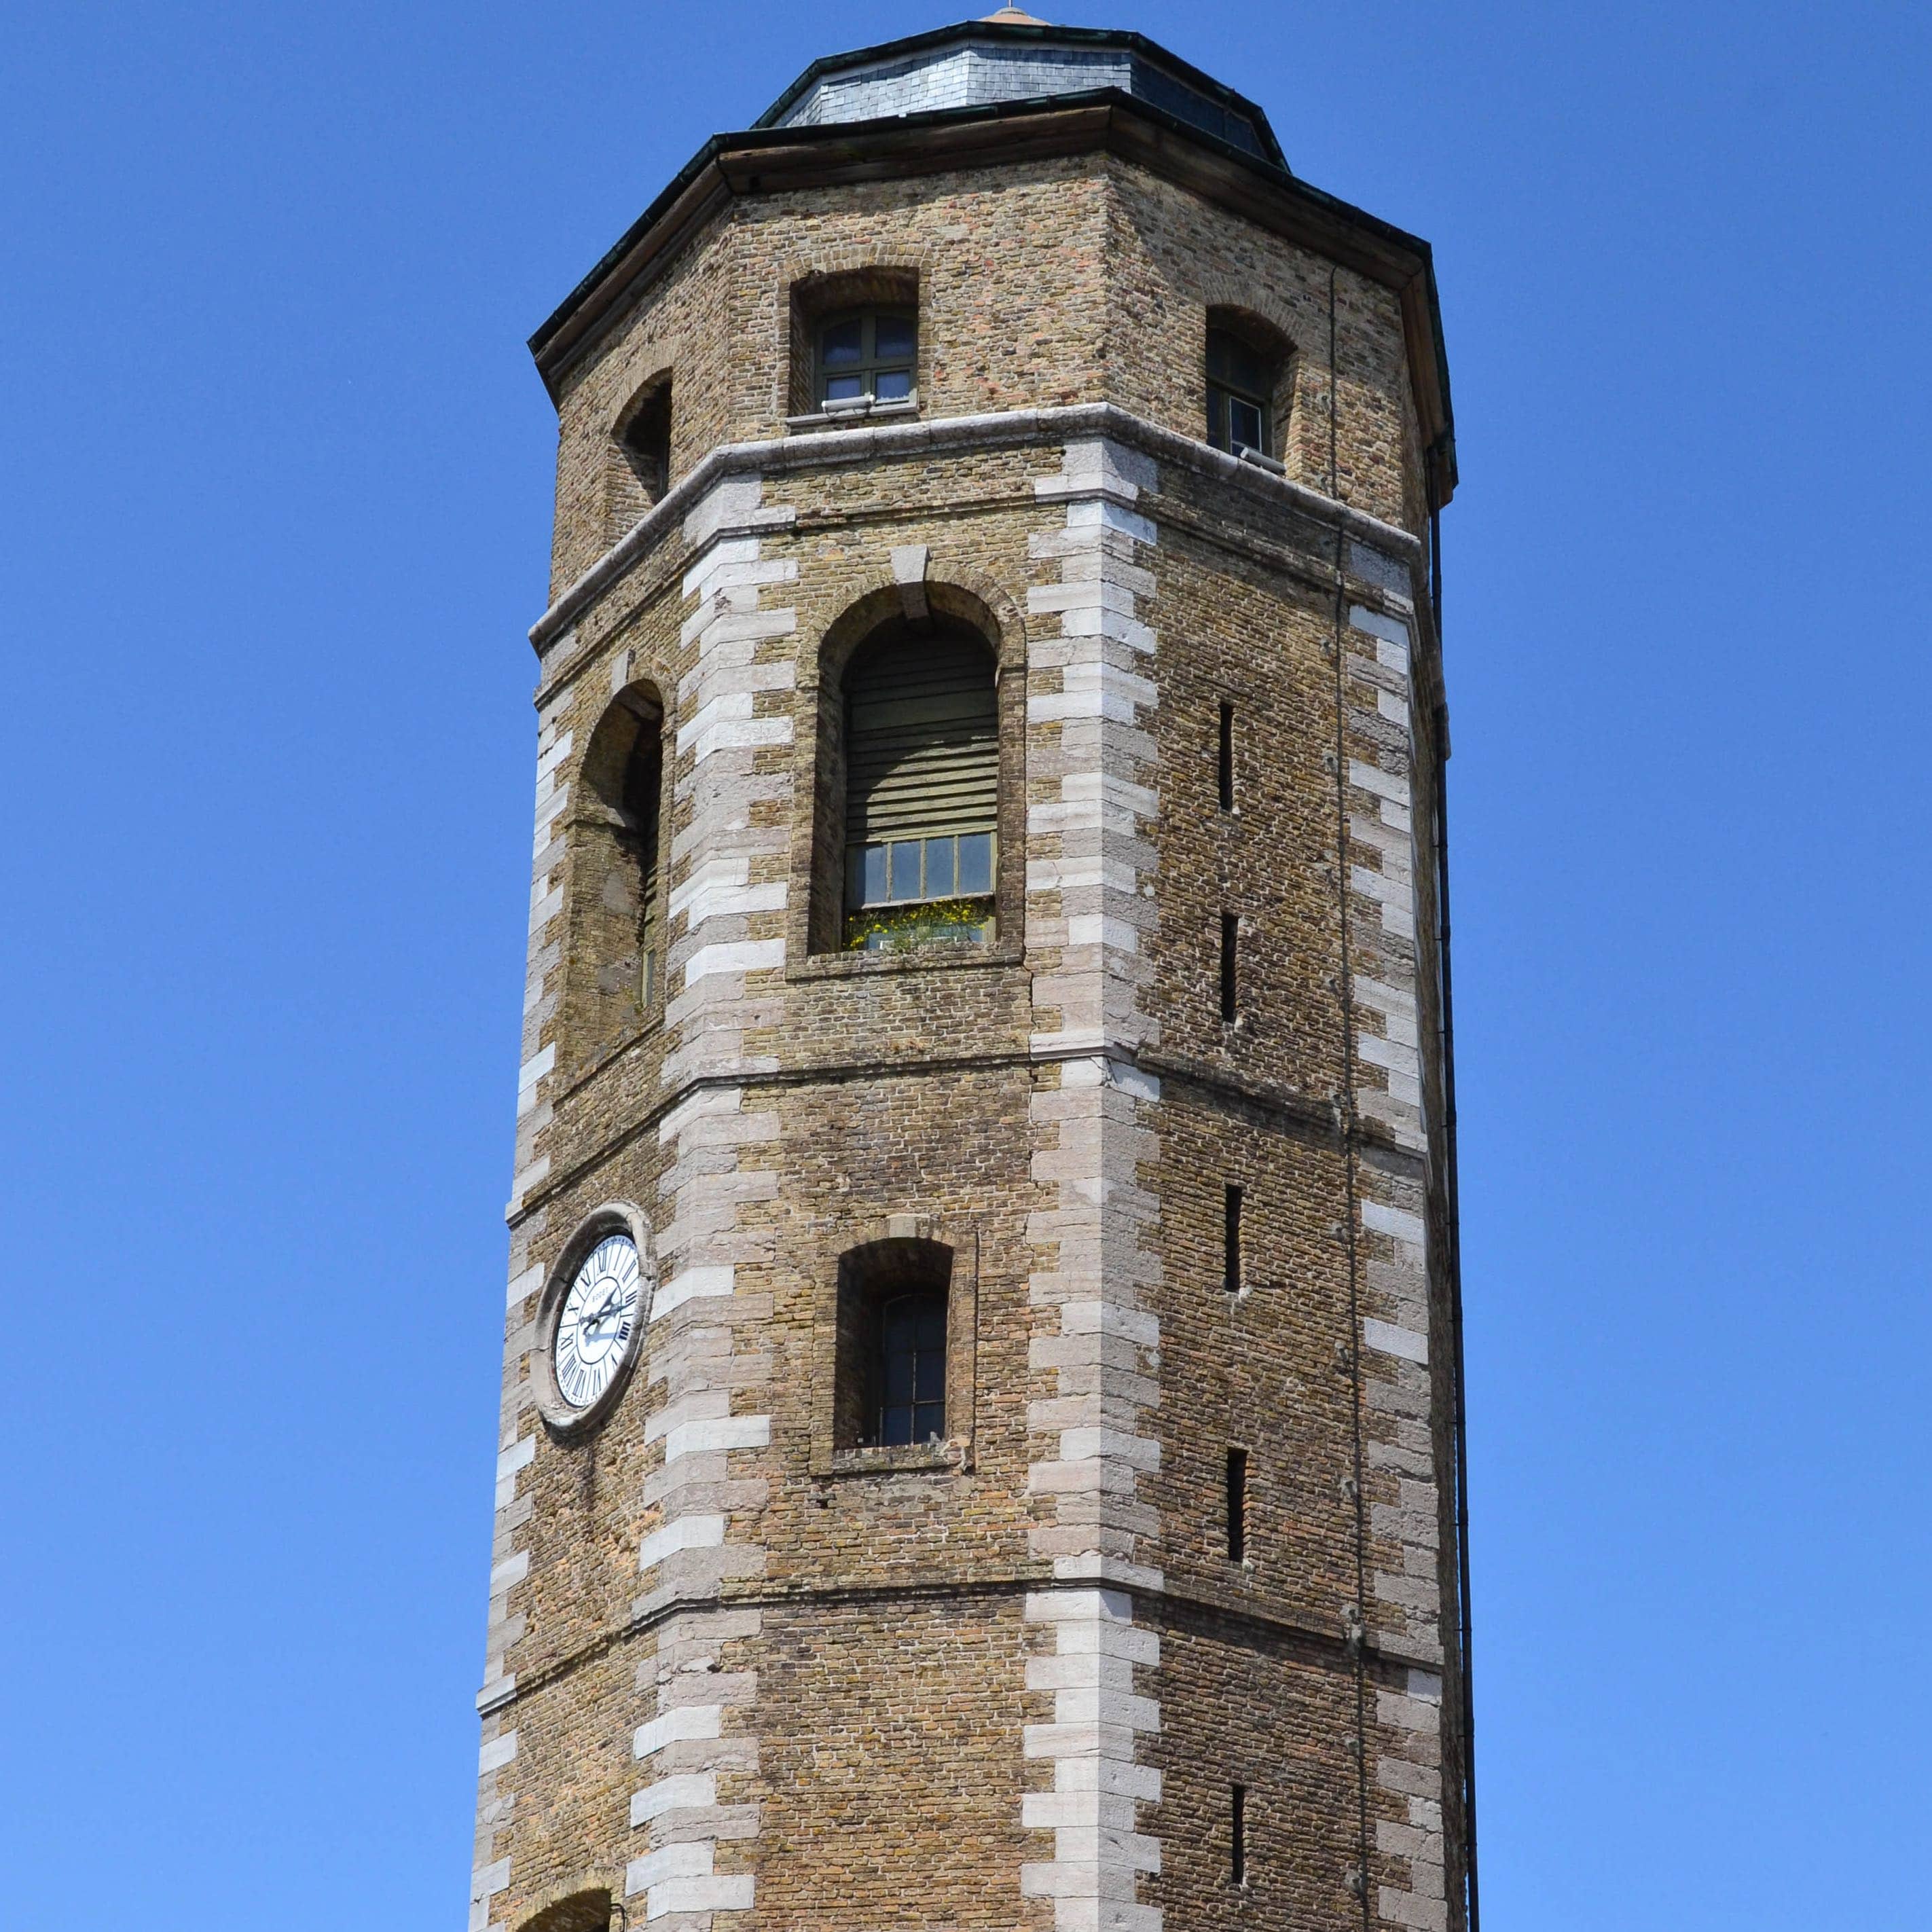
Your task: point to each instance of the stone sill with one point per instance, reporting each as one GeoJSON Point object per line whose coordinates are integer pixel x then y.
{"type": "Point", "coordinates": [894, 435]}
{"type": "Point", "coordinates": [937, 958]}
{"type": "Point", "coordinates": [919, 1458]}
{"type": "Point", "coordinates": [862, 410]}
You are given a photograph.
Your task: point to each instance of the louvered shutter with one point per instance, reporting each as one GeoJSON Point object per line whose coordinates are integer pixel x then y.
{"type": "Point", "coordinates": [922, 744]}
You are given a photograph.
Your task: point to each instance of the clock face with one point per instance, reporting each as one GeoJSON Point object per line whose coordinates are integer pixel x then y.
{"type": "Point", "coordinates": [600, 1315]}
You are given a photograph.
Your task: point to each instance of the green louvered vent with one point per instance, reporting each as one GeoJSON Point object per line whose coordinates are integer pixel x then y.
{"type": "Point", "coordinates": [922, 747]}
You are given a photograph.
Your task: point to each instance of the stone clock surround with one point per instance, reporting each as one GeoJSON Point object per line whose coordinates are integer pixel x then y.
{"type": "Point", "coordinates": [611, 1217]}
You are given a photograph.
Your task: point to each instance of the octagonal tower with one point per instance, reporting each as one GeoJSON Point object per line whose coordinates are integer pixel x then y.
{"type": "Point", "coordinates": [980, 1439]}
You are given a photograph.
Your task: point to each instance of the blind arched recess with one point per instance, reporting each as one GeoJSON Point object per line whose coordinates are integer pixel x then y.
{"type": "Point", "coordinates": [922, 740]}
{"type": "Point", "coordinates": [644, 777]}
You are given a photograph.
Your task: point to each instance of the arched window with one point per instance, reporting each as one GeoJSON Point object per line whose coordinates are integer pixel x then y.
{"type": "Point", "coordinates": [1247, 395]}
{"type": "Point", "coordinates": [640, 462]}
{"type": "Point", "coordinates": [922, 786]}
{"type": "Point", "coordinates": [647, 440]}
{"type": "Point", "coordinates": [909, 1377]}
{"type": "Point", "coordinates": [867, 355]}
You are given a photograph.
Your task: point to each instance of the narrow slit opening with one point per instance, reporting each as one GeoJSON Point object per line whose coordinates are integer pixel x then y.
{"type": "Point", "coordinates": [1238, 1834]}
{"type": "Point", "coordinates": [1230, 1240]}
{"type": "Point", "coordinates": [1230, 938]}
{"type": "Point", "coordinates": [1226, 780]}
{"type": "Point", "coordinates": [1238, 1505]}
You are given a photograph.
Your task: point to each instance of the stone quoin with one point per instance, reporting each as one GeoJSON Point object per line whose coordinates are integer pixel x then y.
{"type": "Point", "coordinates": [981, 1440]}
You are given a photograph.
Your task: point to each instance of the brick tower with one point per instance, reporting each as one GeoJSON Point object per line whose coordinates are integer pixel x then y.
{"type": "Point", "coordinates": [980, 1438]}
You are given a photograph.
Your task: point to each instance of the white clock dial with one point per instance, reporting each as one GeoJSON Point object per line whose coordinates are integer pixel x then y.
{"type": "Point", "coordinates": [599, 1316]}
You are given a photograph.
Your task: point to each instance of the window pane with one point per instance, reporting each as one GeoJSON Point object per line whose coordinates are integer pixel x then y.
{"type": "Point", "coordinates": [1217, 417]}
{"type": "Point", "coordinates": [899, 1373]}
{"type": "Point", "coordinates": [1244, 422]}
{"type": "Point", "coordinates": [1233, 362]}
{"type": "Point", "coordinates": [896, 337]}
{"type": "Point", "coordinates": [912, 1369]}
{"type": "Point", "coordinates": [893, 385]}
{"type": "Point", "coordinates": [905, 869]}
{"type": "Point", "coordinates": [939, 867]}
{"type": "Point", "coordinates": [841, 388]}
{"type": "Point", "coordinates": [873, 888]}
{"type": "Point", "coordinates": [1247, 371]}
{"type": "Point", "coordinates": [841, 345]}
{"type": "Point", "coordinates": [976, 863]}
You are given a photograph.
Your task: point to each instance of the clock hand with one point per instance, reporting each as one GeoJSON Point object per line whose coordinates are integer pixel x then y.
{"type": "Point", "coordinates": [610, 1306]}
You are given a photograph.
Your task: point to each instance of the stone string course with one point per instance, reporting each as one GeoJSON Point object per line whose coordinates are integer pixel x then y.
{"type": "Point", "coordinates": [1006, 1686]}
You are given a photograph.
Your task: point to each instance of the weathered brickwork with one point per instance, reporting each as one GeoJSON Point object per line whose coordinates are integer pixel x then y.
{"type": "Point", "coordinates": [737, 1676]}
{"type": "Point", "coordinates": [1099, 271]}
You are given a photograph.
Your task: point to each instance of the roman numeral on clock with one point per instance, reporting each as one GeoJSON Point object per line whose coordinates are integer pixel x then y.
{"type": "Point", "coordinates": [597, 1322]}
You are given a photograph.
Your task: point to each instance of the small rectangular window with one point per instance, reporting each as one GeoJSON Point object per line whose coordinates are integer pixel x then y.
{"type": "Point", "coordinates": [889, 1372]}
{"type": "Point", "coordinates": [871, 354]}
{"type": "Point", "coordinates": [1230, 1241]}
{"type": "Point", "coordinates": [1231, 926]}
{"type": "Point", "coordinates": [1227, 772]}
{"type": "Point", "coordinates": [910, 1374]}
{"type": "Point", "coordinates": [908, 870]}
{"type": "Point", "coordinates": [1238, 1505]}
{"type": "Point", "coordinates": [1238, 1834]}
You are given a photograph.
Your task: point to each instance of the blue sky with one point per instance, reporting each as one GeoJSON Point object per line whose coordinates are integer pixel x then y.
{"type": "Point", "coordinates": [273, 519]}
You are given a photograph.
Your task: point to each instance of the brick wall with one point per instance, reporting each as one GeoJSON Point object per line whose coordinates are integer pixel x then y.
{"type": "Point", "coordinates": [1011, 1686]}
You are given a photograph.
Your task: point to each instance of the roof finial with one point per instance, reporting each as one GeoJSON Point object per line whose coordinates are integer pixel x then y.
{"type": "Point", "coordinates": [1010, 16]}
